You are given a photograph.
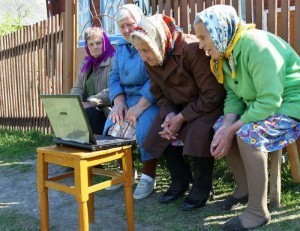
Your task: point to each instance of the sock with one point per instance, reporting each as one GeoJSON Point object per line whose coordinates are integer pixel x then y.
{"type": "Point", "coordinates": [149, 167]}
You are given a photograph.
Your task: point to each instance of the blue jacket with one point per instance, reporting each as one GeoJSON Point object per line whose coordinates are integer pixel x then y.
{"type": "Point", "coordinates": [129, 77]}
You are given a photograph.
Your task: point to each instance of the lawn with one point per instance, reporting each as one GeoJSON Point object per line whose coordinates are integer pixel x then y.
{"type": "Point", "coordinates": [17, 156]}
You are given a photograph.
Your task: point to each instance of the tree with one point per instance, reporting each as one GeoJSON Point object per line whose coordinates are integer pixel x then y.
{"type": "Point", "coordinates": [10, 23]}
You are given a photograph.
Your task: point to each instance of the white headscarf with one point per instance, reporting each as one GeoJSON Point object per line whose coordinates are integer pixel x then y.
{"type": "Point", "coordinates": [136, 12]}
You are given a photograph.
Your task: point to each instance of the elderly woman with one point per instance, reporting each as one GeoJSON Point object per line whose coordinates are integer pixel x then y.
{"type": "Point", "coordinates": [190, 101]}
{"type": "Point", "coordinates": [129, 91]}
{"type": "Point", "coordinates": [92, 78]}
{"type": "Point", "coordinates": [261, 74]}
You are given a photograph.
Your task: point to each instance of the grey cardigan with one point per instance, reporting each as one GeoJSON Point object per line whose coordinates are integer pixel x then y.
{"type": "Point", "coordinates": [101, 98]}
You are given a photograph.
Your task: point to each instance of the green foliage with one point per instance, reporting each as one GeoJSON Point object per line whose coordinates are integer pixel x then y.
{"type": "Point", "coordinates": [10, 23]}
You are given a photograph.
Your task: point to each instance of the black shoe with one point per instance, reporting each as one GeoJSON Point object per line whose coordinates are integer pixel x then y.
{"type": "Point", "coordinates": [235, 224]}
{"type": "Point", "coordinates": [190, 204]}
{"type": "Point", "coordinates": [230, 202]}
{"type": "Point", "coordinates": [171, 195]}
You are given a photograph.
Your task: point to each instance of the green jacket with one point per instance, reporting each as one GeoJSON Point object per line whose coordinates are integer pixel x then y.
{"type": "Point", "coordinates": [267, 78]}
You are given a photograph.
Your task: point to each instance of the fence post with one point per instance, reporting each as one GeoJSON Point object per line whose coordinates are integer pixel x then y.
{"type": "Point", "coordinates": [68, 47]}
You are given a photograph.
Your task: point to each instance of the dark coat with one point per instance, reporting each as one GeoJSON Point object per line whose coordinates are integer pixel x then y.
{"type": "Point", "coordinates": [185, 84]}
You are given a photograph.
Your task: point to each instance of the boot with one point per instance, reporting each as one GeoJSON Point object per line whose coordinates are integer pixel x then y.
{"type": "Point", "coordinates": [180, 172]}
{"type": "Point", "coordinates": [202, 186]}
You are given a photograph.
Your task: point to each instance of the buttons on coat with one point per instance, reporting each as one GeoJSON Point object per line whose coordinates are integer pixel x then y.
{"type": "Point", "coordinates": [126, 73]}
{"type": "Point", "coordinates": [236, 82]}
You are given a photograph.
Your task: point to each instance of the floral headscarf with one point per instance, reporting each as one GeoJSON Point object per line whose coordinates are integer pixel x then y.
{"type": "Point", "coordinates": [157, 31]}
{"type": "Point", "coordinates": [108, 51]}
{"type": "Point", "coordinates": [225, 29]}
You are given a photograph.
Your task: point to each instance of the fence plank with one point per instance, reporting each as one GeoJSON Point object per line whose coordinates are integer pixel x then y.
{"type": "Point", "coordinates": [161, 6]}
{"type": "Point", "coordinates": [154, 6]}
{"type": "Point", "coordinates": [200, 5]}
{"type": "Point", "coordinates": [259, 14]}
{"type": "Point", "coordinates": [176, 11]}
{"type": "Point", "coordinates": [249, 11]}
{"type": "Point", "coordinates": [272, 16]}
{"type": "Point", "coordinates": [285, 20]}
{"type": "Point", "coordinates": [184, 16]}
{"type": "Point", "coordinates": [168, 10]}
{"type": "Point", "coordinates": [193, 11]}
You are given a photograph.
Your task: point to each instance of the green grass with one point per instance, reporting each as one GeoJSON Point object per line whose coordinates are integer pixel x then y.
{"type": "Point", "coordinates": [14, 221]}
{"type": "Point", "coordinates": [20, 146]}
{"type": "Point", "coordinates": [18, 149]}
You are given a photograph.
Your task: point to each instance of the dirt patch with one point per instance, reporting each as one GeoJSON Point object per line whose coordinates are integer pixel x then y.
{"type": "Point", "coordinates": [19, 192]}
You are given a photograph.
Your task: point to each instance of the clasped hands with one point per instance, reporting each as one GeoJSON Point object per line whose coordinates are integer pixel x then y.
{"type": "Point", "coordinates": [171, 126]}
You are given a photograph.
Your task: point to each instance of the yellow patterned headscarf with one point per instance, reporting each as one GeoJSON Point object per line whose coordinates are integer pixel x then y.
{"type": "Point", "coordinates": [225, 29]}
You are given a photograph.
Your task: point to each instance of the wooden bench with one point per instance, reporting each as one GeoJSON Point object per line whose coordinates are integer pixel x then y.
{"type": "Point", "coordinates": [293, 151]}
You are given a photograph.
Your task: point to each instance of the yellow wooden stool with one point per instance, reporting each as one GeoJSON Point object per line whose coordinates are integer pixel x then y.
{"type": "Point", "coordinates": [83, 162]}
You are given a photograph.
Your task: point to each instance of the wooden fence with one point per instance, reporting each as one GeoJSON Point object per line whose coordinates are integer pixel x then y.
{"type": "Point", "coordinates": [31, 59]}
{"type": "Point", "coordinates": [30, 65]}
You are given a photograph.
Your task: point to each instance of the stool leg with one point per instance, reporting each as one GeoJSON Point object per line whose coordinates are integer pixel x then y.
{"type": "Point", "coordinates": [42, 176]}
{"type": "Point", "coordinates": [275, 179]}
{"type": "Point", "coordinates": [81, 193]}
{"type": "Point", "coordinates": [91, 206]}
{"type": "Point", "coordinates": [127, 171]}
{"type": "Point", "coordinates": [294, 161]}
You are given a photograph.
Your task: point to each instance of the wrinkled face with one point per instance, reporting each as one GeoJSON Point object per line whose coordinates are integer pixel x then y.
{"type": "Point", "coordinates": [205, 41]}
{"type": "Point", "coordinates": [145, 51]}
{"type": "Point", "coordinates": [126, 26]}
{"type": "Point", "coordinates": [95, 46]}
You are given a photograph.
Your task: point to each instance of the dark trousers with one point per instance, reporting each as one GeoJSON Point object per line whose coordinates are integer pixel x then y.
{"type": "Point", "coordinates": [96, 118]}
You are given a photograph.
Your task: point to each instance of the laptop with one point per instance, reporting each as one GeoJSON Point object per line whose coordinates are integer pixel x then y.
{"type": "Point", "coordinates": [71, 126]}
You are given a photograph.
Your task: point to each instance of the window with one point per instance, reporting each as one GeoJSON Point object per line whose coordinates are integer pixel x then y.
{"type": "Point", "coordinates": [109, 8]}
{"type": "Point", "coordinates": [84, 17]}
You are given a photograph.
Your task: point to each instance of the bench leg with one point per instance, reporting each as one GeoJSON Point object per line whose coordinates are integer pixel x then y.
{"type": "Point", "coordinates": [275, 179]}
{"type": "Point", "coordinates": [294, 161]}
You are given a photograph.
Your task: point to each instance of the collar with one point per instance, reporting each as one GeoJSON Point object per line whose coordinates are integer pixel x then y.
{"type": "Point", "coordinates": [106, 63]}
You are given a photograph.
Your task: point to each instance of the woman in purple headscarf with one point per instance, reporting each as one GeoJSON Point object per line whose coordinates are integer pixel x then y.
{"type": "Point", "coordinates": [92, 78]}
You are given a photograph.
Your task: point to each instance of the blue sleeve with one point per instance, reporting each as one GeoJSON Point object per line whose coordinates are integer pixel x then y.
{"type": "Point", "coordinates": [114, 82]}
{"type": "Point", "coordinates": [145, 91]}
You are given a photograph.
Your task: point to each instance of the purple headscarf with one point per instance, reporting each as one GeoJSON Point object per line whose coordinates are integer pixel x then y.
{"type": "Point", "coordinates": [108, 51]}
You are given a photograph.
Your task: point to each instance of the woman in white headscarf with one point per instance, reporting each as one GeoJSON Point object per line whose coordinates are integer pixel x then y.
{"type": "Point", "coordinates": [261, 74]}
{"type": "Point", "coordinates": [129, 92]}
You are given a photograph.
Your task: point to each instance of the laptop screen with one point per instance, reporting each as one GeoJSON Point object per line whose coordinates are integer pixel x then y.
{"type": "Point", "coordinates": [65, 113]}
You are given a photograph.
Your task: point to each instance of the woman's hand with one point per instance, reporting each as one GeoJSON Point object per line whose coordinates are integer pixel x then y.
{"type": "Point", "coordinates": [119, 109]}
{"type": "Point", "coordinates": [133, 113]}
{"type": "Point", "coordinates": [221, 142]}
{"type": "Point", "coordinates": [224, 136]}
{"type": "Point", "coordinates": [117, 113]}
{"type": "Point", "coordinates": [171, 126]}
